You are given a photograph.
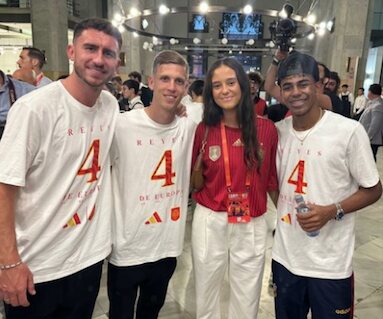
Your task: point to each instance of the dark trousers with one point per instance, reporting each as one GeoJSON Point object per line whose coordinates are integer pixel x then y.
{"type": "Point", "coordinates": [374, 148]}
{"type": "Point", "coordinates": [327, 298]}
{"type": "Point", "coordinates": [151, 279]}
{"type": "Point", "coordinates": [71, 297]}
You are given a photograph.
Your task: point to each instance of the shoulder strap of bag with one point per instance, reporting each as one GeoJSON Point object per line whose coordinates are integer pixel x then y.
{"type": "Point", "coordinates": [198, 162]}
{"type": "Point", "coordinates": [138, 102]}
{"type": "Point", "coordinates": [11, 89]}
{"type": "Point", "coordinates": [204, 141]}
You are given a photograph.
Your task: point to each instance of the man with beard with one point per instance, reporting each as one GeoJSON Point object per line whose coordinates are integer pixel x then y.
{"type": "Point", "coordinates": [329, 81]}
{"type": "Point", "coordinates": [54, 194]}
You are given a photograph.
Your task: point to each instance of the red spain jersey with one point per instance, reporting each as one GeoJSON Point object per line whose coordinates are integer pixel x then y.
{"type": "Point", "coordinates": [260, 107]}
{"type": "Point", "coordinates": [214, 193]}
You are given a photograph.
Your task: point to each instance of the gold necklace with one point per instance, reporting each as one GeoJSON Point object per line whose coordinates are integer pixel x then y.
{"type": "Point", "coordinates": [302, 138]}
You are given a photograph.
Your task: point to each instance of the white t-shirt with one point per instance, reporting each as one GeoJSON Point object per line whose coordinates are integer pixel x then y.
{"type": "Point", "coordinates": [326, 168]}
{"type": "Point", "coordinates": [194, 111]}
{"type": "Point", "coordinates": [56, 150]}
{"type": "Point", "coordinates": [136, 103]}
{"type": "Point", "coordinates": [150, 176]}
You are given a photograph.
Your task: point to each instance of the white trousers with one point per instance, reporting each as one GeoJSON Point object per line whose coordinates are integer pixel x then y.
{"type": "Point", "coordinates": [216, 245]}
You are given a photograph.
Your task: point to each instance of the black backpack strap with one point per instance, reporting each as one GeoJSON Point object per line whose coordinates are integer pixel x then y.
{"type": "Point", "coordinates": [11, 89]}
{"type": "Point", "coordinates": [138, 102]}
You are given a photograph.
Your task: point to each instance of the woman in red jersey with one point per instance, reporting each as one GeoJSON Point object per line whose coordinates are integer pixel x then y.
{"type": "Point", "coordinates": [229, 229]}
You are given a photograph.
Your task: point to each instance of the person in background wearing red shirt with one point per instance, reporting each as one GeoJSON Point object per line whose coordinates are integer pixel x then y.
{"type": "Point", "coordinates": [256, 81]}
{"type": "Point", "coordinates": [229, 229]}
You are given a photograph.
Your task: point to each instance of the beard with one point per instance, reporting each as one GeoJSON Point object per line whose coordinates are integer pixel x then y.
{"type": "Point", "coordinates": [92, 82]}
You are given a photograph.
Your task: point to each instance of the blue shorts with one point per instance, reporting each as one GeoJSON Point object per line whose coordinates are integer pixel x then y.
{"type": "Point", "coordinates": [327, 298]}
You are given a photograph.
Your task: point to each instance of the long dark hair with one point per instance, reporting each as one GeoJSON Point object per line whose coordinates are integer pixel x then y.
{"type": "Point", "coordinates": [245, 110]}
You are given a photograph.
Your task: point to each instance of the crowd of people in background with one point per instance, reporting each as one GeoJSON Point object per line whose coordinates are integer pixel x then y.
{"type": "Point", "coordinates": [88, 183]}
{"type": "Point", "coordinates": [134, 94]}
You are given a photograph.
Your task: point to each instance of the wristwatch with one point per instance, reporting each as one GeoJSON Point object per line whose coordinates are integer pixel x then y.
{"type": "Point", "coordinates": [339, 212]}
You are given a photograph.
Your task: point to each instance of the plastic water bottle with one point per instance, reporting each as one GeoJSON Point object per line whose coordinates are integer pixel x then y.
{"type": "Point", "coordinates": [302, 208]}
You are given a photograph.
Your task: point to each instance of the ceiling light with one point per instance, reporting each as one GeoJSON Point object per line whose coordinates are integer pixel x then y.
{"type": "Point", "coordinates": [163, 9]}
{"type": "Point", "coordinates": [330, 25]}
{"type": "Point", "coordinates": [311, 18]}
{"type": "Point", "coordinates": [134, 12]}
{"type": "Point", "coordinates": [247, 9]}
{"type": "Point", "coordinates": [135, 34]}
{"type": "Point", "coordinates": [121, 28]}
{"type": "Point", "coordinates": [196, 41]}
{"type": "Point", "coordinates": [224, 41]}
{"type": "Point", "coordinates": [321, 31]}
{"type": "Point", "coordinates": [311, 36]}
{"type": "Point", "coordinates": [203, 7]}
{"type": "Point", "coordinates": [144, 24]}
{"type": "Point", "coordinates": [117, 17]}
{"type": "Point", "coordinates": [321, 28]}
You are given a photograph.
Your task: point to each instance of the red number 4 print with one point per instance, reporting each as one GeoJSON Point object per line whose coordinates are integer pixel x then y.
{"type": "Point", "coordinates": [168, 175]}
{"type": "Point", "coordinates": [90, 164]}
{"type": "Point", "coordinates": [297, 177]}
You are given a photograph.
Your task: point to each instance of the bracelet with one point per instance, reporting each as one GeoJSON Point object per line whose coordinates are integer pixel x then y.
{"type": "Point", "coordinates": [10, 266]}
{"type": "Point", "coordinates": [275, 61]}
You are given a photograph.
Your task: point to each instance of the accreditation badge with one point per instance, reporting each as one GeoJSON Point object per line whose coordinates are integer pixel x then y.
{"type": "Point", "coordinates": [238, 208]}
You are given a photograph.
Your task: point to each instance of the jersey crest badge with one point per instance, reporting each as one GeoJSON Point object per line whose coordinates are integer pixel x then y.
{"type": "Point", "coordinates": [175, 214]}
{"type": "Point", "coordinates": [214, 152]}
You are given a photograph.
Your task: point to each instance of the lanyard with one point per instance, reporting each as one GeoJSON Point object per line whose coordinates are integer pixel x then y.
{"type": "Point", "coordinates": [227, 163]}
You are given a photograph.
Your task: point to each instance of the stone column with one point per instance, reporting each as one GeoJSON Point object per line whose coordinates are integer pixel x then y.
{"type": "Point", "coordinates": [345, 51]}
{"type": "Point", "coordinates": [50, 33]}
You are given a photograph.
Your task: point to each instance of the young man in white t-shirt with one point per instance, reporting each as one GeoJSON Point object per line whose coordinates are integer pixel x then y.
{"type": "Point", "coordinates": [319, 156]}
{"type": "Point", "coordinates": [54, 193]}
{"type": "Point", "coordinates": [130, 94]}
{"type": "Point", "coordinates": [151, 158]}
